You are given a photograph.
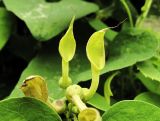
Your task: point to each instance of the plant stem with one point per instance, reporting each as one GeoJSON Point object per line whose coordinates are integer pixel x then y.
{"type": "Point", "coordinates": [65, 80]}
{"type": "Point", "coordinates": [78, 102]}
{"type": "Point", "coordinates": [65, 69]}
{"type": "Point", "coordinates": [94, 83]}
{"type": "Point", "coordinates": [128, 12]}
{"type": "Point", "coordinates": [145, 9]}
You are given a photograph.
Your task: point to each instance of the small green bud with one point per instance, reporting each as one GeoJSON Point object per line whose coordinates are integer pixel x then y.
{"type": "Point", "coordinates": [65, 82]}
{"type": "Point", "coordinates": [59, 105]}
{"type": "Point", "coordinates": [70, 105]}
{"type": "Point", "coordinates": [89, 114]}
{"type": "Point", "coordinates": [75, 109]}
{"type": "Point", "coordinates": [73, 90]}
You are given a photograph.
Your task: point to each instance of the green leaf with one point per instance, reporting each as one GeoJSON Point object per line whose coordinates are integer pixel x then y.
{"type": "Point", "coordinates": [150, 69]}
{"type": "Point", "coordinates": [149, 97]}
{"type": "Point", "coordinates": [67, 45]}
{"type": "Point", "coordinates": [152, 85]}
{"type": "Point", "coordinates": [95, 49]}
{"type": "Point", "coordinates": [99, 102]}
{"type": "Point", "coordinates": [6, 26]}
{"type": "Point", "coordinates": [132, 111]}
{"type": "Point", "coordinates": [129, 47]}
{"type": "Point", "coordinates": [46, 20]}
{"type": "Point", "coordinates": [26, 109]}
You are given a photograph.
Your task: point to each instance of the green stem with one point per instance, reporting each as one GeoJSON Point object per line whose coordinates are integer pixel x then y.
{"type": "Point", "coordinates": [145, 9]}
{"type": "Point", "coordinates": [128, 12]}
{"type": "Point", "coordinates": [94, 83]}
{"type": "Point", "coordinates": [78, 102]}
{"type": "Point", "coordinates": [65, 80]}
{"type": "Point", "coordinates": [65, 69]}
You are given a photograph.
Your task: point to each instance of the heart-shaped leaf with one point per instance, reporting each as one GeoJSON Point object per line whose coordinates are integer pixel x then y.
{"type": "Point", "coordinates": [26, 109]}
{"type": "Point", "coordinates": [132, 111]}
{"type": "Point", "coordinates": [46, 20]}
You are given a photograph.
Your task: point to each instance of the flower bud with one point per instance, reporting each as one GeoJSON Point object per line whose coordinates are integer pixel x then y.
{"type": "Point", "coordinates": [75, 109]}
{"type": "Point", "coordinates": [35, 86]}
{"type": "Point", "coordinates": [67, 45]}
{"type": "Point", "coordinates": [95, 49]}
